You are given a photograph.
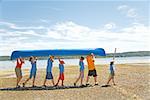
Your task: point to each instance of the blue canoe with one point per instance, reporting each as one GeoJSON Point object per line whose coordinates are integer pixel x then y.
{"type": "Point", "coordinates": [57, 52]}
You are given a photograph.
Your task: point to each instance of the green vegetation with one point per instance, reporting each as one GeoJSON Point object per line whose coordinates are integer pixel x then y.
{"type": "Point", "coordinates": [130, 54]}
{"type": "Point", "coordinates": [124, 54]}
{"type": "Point", "coordinates": [3, 58]}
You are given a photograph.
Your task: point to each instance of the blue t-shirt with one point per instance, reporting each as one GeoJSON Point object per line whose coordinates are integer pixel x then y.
{"type": "Point", "coordinates": [61, 68]}
{"type": "Point", "coordinates": [81, 64]}
{"type": "Point", "coordinates": [111, 68]}
{"type": "Point", "coordinates": [49, 65]}
{"type": "Point", "coordinates": [33, 69]}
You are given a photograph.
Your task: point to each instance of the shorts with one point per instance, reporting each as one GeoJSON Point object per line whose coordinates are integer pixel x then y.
{"type": "Point", "coordinates": [49, 75]}
{"type": "Point", "coordinates": [92, 73]}
{"type": "Point", "coordinates": [32, 74]}
{"type": "Point", "coordinates": [112, 74]}
{"type": "Point", "coordinates": [18, 72]}
{"type": "Point", "coordinates": [61, 76]}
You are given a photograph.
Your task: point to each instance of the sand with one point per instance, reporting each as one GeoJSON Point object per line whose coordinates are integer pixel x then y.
{"type": "Point", "coordinates": [133, 83]}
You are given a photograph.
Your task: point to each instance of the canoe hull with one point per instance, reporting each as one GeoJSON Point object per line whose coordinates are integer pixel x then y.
{"type": "Point", "coordinates": [63, 52]}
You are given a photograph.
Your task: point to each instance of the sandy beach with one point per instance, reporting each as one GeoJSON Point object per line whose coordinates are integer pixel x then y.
{"type": "Point", "coordinates": [132, 81]}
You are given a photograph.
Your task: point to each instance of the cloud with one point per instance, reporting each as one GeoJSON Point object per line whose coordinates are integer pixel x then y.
{"type": "Point", "coordinates": [7, 24]}
{"type": "Point", "coordinates": [137, 28]}
{"type": "Point", "coordinates": [128, 11]}
{"type": "Point", "coordinates": [122, 7]}
{"type": "Point", "coordinates": [68, 30]}
{"type": "Point", "coordinates": [132, 13]}
{"type": "Point", "coordinates": [69, 34]}
{"type": "Point", "coordinates": [110, 26]}
{"type": "Point", "coordinates": [14, 26]}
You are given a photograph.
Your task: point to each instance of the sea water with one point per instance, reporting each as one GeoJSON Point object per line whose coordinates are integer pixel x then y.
{"type": "Point", "coordinates": [9, 65]}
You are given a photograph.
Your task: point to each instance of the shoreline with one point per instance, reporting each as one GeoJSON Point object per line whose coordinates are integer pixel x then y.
{"type": "Point", "coordinates": [11, 72]}
{"type": "Point", "coordinates": [26, 71]}
{"type": "Point", "coordinates": [4, 65]}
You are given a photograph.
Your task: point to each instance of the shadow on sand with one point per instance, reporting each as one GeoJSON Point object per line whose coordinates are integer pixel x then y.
{"type": "Point", "coordinates": [41, 88]}
{"type": "Point", "coordinates": [105, 85]}
{"type": "Point", "coordinates": [46, 88]}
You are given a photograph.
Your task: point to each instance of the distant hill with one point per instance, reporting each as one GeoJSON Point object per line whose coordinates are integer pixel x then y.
{"type": "Point", "coordinates": [3, 58]}
{"type": "Point", "coordinates": [130, 54]}
{"type": "Point", "coordinates": [124, 54]}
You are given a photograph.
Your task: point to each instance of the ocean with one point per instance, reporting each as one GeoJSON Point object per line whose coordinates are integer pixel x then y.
{"type": "Point", "coordinates": [9, 65]}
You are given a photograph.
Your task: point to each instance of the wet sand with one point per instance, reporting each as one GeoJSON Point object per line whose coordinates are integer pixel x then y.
{"type": "Point", "coordinates": [133, 83]}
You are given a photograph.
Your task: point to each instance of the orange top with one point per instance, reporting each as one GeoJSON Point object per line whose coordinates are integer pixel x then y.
{"type": "Point", "coordinates": [90, 62]}
{"type": "Point", "coordinates": [19, 63]}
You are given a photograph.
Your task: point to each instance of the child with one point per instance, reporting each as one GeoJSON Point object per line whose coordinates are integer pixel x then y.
{"type": "Point", "coordinates": [112, 73]}
{"type": "Point", "coordinates": [61, 74]}
{"type": "Point", "coordinates": [49, 75]}
{"type": "Point", "coordinates": [91, 68]}
{"type": "Point", "coordinates": [33, 61]}
{"type": "Point", "coordinates": [18, 71]}
{"type": "Point", "coordinates": [81, 75]}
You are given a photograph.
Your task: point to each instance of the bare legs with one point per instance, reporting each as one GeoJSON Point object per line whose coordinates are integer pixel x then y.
{"type": "Point", "coordinates": [33, 81]}
{"type": "Point", "coordinates": [46, 80]}
{"type": "Point", "coordinates": [113, 81]}
{"type": "Point", "coordinates": [111, 78]}
{"type": "Point", "coordinates": [95, 79]}
{"type": "Point", "coordinates": [81, 75]}
{"type": "Point", "coordinates": [78, 78]}
{"type": "Point", "coordinates": [18, 80]}
{"type": "Point", "coordinates": [57, 82]}
{"type": "Point", "coordinates": [28, 80]}
{"type": "Point", "coordinates": [87, 80]}
{"type": "Point", "coordinates": [62, 84]}
{"type": "Point", "coordinates": [53, 82]}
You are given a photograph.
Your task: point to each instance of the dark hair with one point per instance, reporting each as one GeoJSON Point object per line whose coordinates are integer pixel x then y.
{"type": "Point", "coordinates": [111, 63]}
{"type": "Point", "coordinates": [82, 58]}
{"type": "Point", "coordinates": [30, 58]}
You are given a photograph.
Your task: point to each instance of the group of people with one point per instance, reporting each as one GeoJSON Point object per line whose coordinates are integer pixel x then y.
{"type": "Point", "coordinates": [49, 76]}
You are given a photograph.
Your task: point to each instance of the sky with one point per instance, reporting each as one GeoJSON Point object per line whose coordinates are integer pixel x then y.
{"type": "Point", "coordinates": [74, 24]}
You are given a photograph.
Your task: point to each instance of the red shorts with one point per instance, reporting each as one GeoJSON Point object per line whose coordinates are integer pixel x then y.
{"type": "Point", "coordinates": [61, 76]}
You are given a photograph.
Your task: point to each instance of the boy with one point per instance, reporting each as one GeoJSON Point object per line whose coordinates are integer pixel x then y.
{"type": "Point", "coordinates": [33, 70]}
{"type": "Point", "coordinates": [61, 74]}
{"type": "Point", "coordinates": [49, 75]}
{"type": "Point", "coordinates": [18, 70]}
{"type": "Point", "coordinates": [81, 75]}
{"type": "Point", "coordinates": [91, 69]}
{"type": "Point", "coordinates": [112, 73]}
